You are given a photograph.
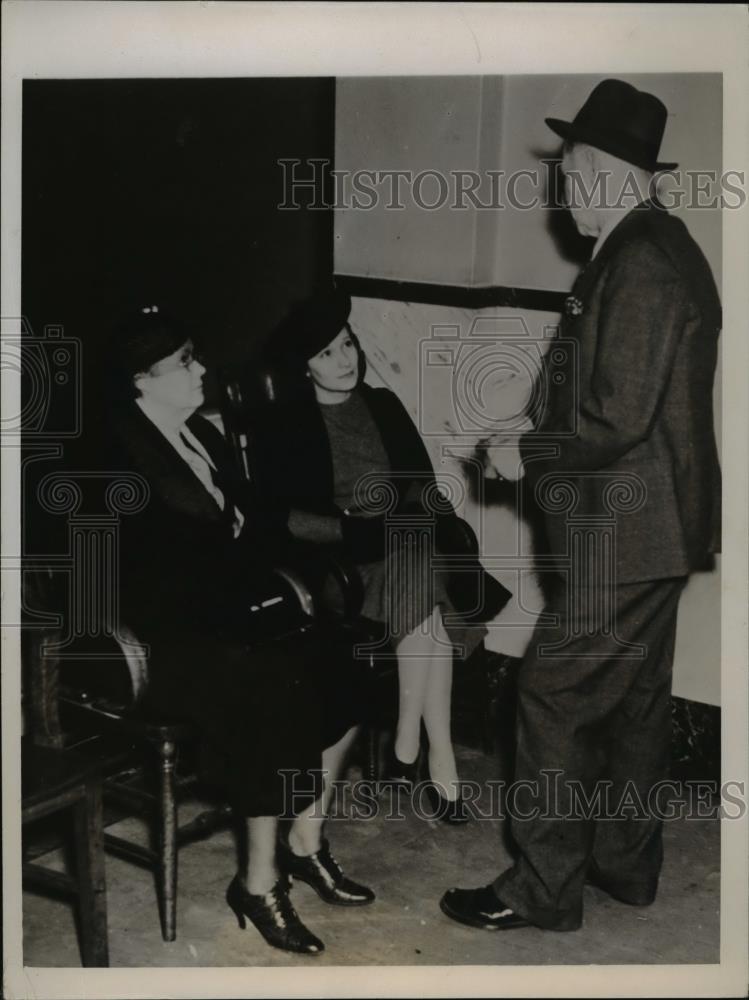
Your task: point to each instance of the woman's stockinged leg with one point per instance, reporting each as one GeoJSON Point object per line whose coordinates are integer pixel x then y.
{"type": "Point", "coordinates": [425, 661]}
{"type": "Point", "coordinates": [259, 893]}
{"type": "Point", "coordinates": [437, 711]}
{"type": "Point", "coordinates": [307, 855]}
{"type": "Point", "coordinates": [305, 835]}
{"type": "Point", "coordinates": [262, 873]}
{"type": "Point", "coordinates": [414, 653]}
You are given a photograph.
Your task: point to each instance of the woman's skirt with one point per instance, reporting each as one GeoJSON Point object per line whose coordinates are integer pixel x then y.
{"type": "Point", "coordinates": [265, 712]}
{"type": "Point", "coordinates": [402, 591]}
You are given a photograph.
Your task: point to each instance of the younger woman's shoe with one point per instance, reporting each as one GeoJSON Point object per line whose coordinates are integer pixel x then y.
{"type": "Point", "coordinates": [402, 775]}
{"type": "Point", "coordinates": [274, 916]}
{"type": "Point", "coordinates": [324, 874]}
{"type": "Point", "coordinates": [449, 811]}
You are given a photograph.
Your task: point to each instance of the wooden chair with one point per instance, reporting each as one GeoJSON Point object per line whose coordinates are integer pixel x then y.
{"type": "Point", "coordinates": [55, 780]}
{"type": "Point", "coordinates": [103, 715]}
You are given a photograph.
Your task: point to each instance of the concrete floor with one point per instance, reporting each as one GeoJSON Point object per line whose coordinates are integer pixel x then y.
{"type": "Point", "coordinates": [409, 863]}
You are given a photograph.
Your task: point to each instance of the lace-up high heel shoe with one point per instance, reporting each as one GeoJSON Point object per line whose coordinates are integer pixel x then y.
{"type": "Point", "coordinates": [274, 916]}
{"type": "Point", "coordinates": [324, 874]}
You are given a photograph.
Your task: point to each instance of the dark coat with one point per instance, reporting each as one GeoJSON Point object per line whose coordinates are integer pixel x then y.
{"type": "Point", "coordinates": [635, 399]}
{"type": "Point", "coordinates": [266, 696]}
{"type": "Point", "coordinates": [295, 467]}
{"type": "Point", "coordinates": [294, 470]}
{"type": "Point", "coordinates": [179, 561]}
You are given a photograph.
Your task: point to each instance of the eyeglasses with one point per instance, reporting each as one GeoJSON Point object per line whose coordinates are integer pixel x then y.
{"type": "Point", "coordinates": [191, 359]}
{"type": "Point", "coordinates": [186, 361]}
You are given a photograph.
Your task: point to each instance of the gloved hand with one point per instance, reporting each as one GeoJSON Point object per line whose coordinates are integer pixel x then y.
{"type": "Point", "coordinates": [363, 537]}
{"type": "Point", "coordinates": [453, 535]}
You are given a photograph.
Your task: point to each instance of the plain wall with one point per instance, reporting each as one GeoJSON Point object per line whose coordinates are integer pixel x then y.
{"type": "Point", "coordinates": [415, 124]}
{"type": "Point", "coordinates": [494, 123]}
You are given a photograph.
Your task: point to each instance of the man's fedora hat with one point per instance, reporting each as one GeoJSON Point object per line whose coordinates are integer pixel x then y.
{"type": "Point", "coordinates": [621, 120]}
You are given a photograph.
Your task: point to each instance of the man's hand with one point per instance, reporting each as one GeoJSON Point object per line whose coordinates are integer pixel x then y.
{"type": "Point", "coordinates": [501, 457]}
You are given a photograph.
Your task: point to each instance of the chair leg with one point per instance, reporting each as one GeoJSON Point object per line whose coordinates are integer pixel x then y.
{"type": "Point", "coordinates": [489, 707]}
{"type": "Point", "coordinates": [92, 891]}
{"type": "Point", "coordinates": [372, 729]}
{"type": "Point", "coordinates": [167, 873]}
{"type": "Point", "coordinates": [372, 764]}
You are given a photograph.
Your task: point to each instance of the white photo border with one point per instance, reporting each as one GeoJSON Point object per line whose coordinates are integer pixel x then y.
{"type": "Point", "coordinates": [45, 39]}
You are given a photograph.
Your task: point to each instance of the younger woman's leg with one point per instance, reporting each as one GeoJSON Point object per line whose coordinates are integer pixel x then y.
{"type": "Point", "coordinates": [414, 653]}
{"type": "Point", "coordinates": [438, 708]}
{"type": "Point", "coordinates": [425, 661]}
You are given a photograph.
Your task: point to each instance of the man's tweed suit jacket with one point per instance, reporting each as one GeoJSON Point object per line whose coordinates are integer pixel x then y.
{"type": "Point", "coordinates": [636, 402]}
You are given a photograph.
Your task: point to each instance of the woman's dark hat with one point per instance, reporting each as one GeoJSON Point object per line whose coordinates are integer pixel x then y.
{"type": "Point", "coordinates": [621, 120]}
{"type": "Point", "coordinates": [144, 336]}
{"type": "Point", "coordinates": [311, 325]}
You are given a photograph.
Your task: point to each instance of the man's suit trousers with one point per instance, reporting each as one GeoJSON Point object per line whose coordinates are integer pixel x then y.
{"type": "Point", "coordinates": [593, 742]}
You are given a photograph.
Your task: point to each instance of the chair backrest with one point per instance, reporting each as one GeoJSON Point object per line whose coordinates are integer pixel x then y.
{"type": "Point", "coordinates": [49, 664]}
{"type": "Point", "coordinates": [247, 397]}
{"type": "Point", "coordinates": [136, 659]}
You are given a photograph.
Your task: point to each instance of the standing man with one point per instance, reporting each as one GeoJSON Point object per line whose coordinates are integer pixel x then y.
{"type": "Point", "coordinates": [627, 440]}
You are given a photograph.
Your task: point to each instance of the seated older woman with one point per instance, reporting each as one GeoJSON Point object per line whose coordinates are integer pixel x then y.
{"type": "Point", "coordinates": [194, 561]}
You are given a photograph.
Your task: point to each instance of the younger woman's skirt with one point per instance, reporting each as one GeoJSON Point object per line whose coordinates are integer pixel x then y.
{"type": "Point", "coordinates": [401, 592]}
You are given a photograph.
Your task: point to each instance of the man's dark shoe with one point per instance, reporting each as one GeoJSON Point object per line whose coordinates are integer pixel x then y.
{"type": "Point", "coordinates": [480, 908]}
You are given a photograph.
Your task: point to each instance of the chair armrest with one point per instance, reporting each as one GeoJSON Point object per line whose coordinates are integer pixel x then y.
{"type": "Point", "coordinates": [279, 603]}
{"type": "Point", "coordinates": [298, 587]}
{"type": "Point", "coordinates": [332, 582]}
{"type": "Point", "coordinates": [349, 579]}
